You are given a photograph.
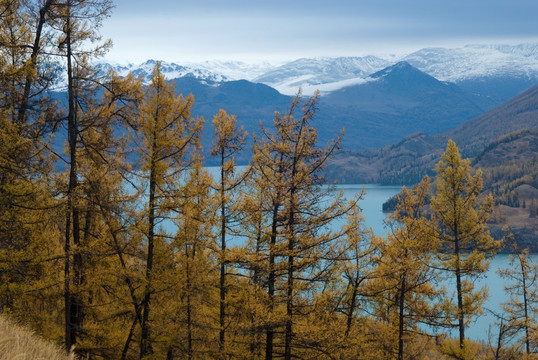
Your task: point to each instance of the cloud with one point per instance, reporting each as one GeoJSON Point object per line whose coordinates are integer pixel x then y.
{"type": "Point", "coordinates": [209, 29]}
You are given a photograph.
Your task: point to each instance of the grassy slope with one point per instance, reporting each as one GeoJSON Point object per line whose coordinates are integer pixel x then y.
{"type": "Point", "coordinates": [17, 342]}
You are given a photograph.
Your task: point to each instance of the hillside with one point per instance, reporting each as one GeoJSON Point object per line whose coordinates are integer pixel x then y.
{"type": "Point", "coordinates": [410, 159]}
{"type": "Point", "coordinates": [395, 102]}
{"type": "Point", "coordinates": [502, 142]}
{"type": "Point", "coordinates": [510, 170]}
{"type": "Point", "coordinates": [519, 113]}
{"type": "Point", "coordinates": [510, 173]}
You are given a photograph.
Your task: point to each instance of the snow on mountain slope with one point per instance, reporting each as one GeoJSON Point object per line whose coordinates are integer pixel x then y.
{"type": "Point", "coordinates": [291, 86]}
{"type": "Point", "coordinates": [321, 73]}
{"type": "Point", "coordinates": [457, 64]}
{"type": "Point", "coordinates": [235, 70]}
{"type": "Point", "coordinates": [209, 71]}
{"type": "Point", "coordinates": [476, 61]}
{"type": "Point", "coordinates": [329, 74]}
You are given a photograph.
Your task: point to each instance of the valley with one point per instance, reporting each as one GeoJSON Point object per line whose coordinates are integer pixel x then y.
{"type": "Point", "coordinates": [397, 114]}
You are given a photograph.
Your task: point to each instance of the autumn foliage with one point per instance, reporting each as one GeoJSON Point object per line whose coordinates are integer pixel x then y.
{"type": "Point", "coordinates": [116, 241]}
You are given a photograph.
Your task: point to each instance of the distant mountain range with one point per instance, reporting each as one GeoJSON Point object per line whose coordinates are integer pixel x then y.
{"type": "Point", "coordinates": [378, 101]}
{"type": "Point", "coordinates": [467, 67]}
{"type": "Point", "coordinates": [397, 114]}
{"type": "Point", "coordinates": [393, 103]}
{"type": "Point", "coordinates": [479, 69]}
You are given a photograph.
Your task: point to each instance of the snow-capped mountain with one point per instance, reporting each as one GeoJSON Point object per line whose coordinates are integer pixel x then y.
{"type": "Point", "coordinates": [455, 65]}
{"type": "Point", "coordinates": [324, 74]}
{"type": "Point", "coordinates": [170, 71]}
{"type": "Point", "coordinates": [399, 99]}
{"type": "Point", "coordinates": [495, 71]}
{"type": "Point", "coordinates": [474, 61]}
{"type": "Point", "coordinates": [377, 100]}
{"type": "Point", "coordinates": [208, 71]}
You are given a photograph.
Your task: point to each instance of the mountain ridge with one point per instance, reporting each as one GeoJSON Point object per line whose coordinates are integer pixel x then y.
{"type": "Point", "coordinates": [395, 102]}
{"type": "Point", "coordinates": [461, 65]}
{"type": "Point", "coordinates": [398, 101]}
{"type": "Point", "coordinates": [408, 160]}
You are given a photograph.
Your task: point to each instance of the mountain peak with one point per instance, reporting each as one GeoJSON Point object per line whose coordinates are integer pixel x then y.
{"type": "Point", "coordinates": [403, 75]}
{"type": "Point", "coordinates": [397, 70]}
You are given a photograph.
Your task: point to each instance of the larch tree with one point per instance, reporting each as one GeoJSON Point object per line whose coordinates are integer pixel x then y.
{"type": "Point", "coordinates": [194, 308]}
{"type": "Point", "coordinates": [302, 252]}
{"type": "Point", "coordinates": [26, 43]}
{"type": "Point", "coordinates": [255, 258]}
{"type": "Point", "coordinates": [336, 326]}
{"type": "Point", "coordinates": [28, 244]}
{"type": "Point", "coordinates": [111, 244]}
{"type": "Point", "coordinates": [268, 186]}
{"type": "Point", "coordinates": [522, 309]}
{"type": "Point", "coordinates": [76, 22]}
{"type": "Point", "coordinates": [29, 250]}
{"type": "Point", "coordinates": [404, 278]}
{"type": "Point", "coordinates": [108, 290]}
{"type": "Point", "coordinates": [357, 268]}
{"type": "Point", "coordinates": [25, 110]}
{"type": "Point", "coordinates": [165, 135]}
{"type": "Point", "coordinates": [228, 140]}
{"type": "Point", "coordinates": [464, 241]}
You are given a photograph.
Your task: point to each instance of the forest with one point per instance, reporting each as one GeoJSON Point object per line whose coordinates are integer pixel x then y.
{"type": "Point", "coordinates": [117, 243]}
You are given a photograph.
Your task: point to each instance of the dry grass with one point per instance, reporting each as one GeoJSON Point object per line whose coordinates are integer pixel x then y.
{"type": "Point", "coordinates": [516, 217]}
{"type": "Point", "coordinates": [18, 343]}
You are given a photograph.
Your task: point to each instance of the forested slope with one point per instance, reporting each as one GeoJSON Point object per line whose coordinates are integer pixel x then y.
{"type": "Point", "coordinates": [408, 160]}
{"type": "Point", "coordinates": [502, 142]}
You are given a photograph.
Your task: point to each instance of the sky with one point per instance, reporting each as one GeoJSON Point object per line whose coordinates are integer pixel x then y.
{"type": "Point", "coordinates": [282, 30]}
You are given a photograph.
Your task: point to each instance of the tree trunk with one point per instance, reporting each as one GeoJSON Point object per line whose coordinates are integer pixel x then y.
{"type": "Point", "coordinates": [524, 272]}
{"type": "Point", "coordinates": [351, 310]}
{"type": "Point", "coordinates": [128, 340]}
{"type": "Point", "coordinates": [289, 295]}
{"type": "Point", "coordinates": [145, 343]}
{"type": "Point", "coordinates": [461, 318]}
{"type": "Point", "coordinates": [222, 282]}
{"type": "Point", "coordinates": [401, 309]}
{"type": "Point", "coordinates": [289, 305]}
{"type": "Point", "coordinates": [271, 284]}
{"type": "Point", "coordinates": [189, 310]}
{"type": "Point", "coordinates": [72, 306]}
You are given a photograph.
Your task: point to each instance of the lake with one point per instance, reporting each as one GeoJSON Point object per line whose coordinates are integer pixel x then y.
{"type": "Point", "coordinates": [372, 203]}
